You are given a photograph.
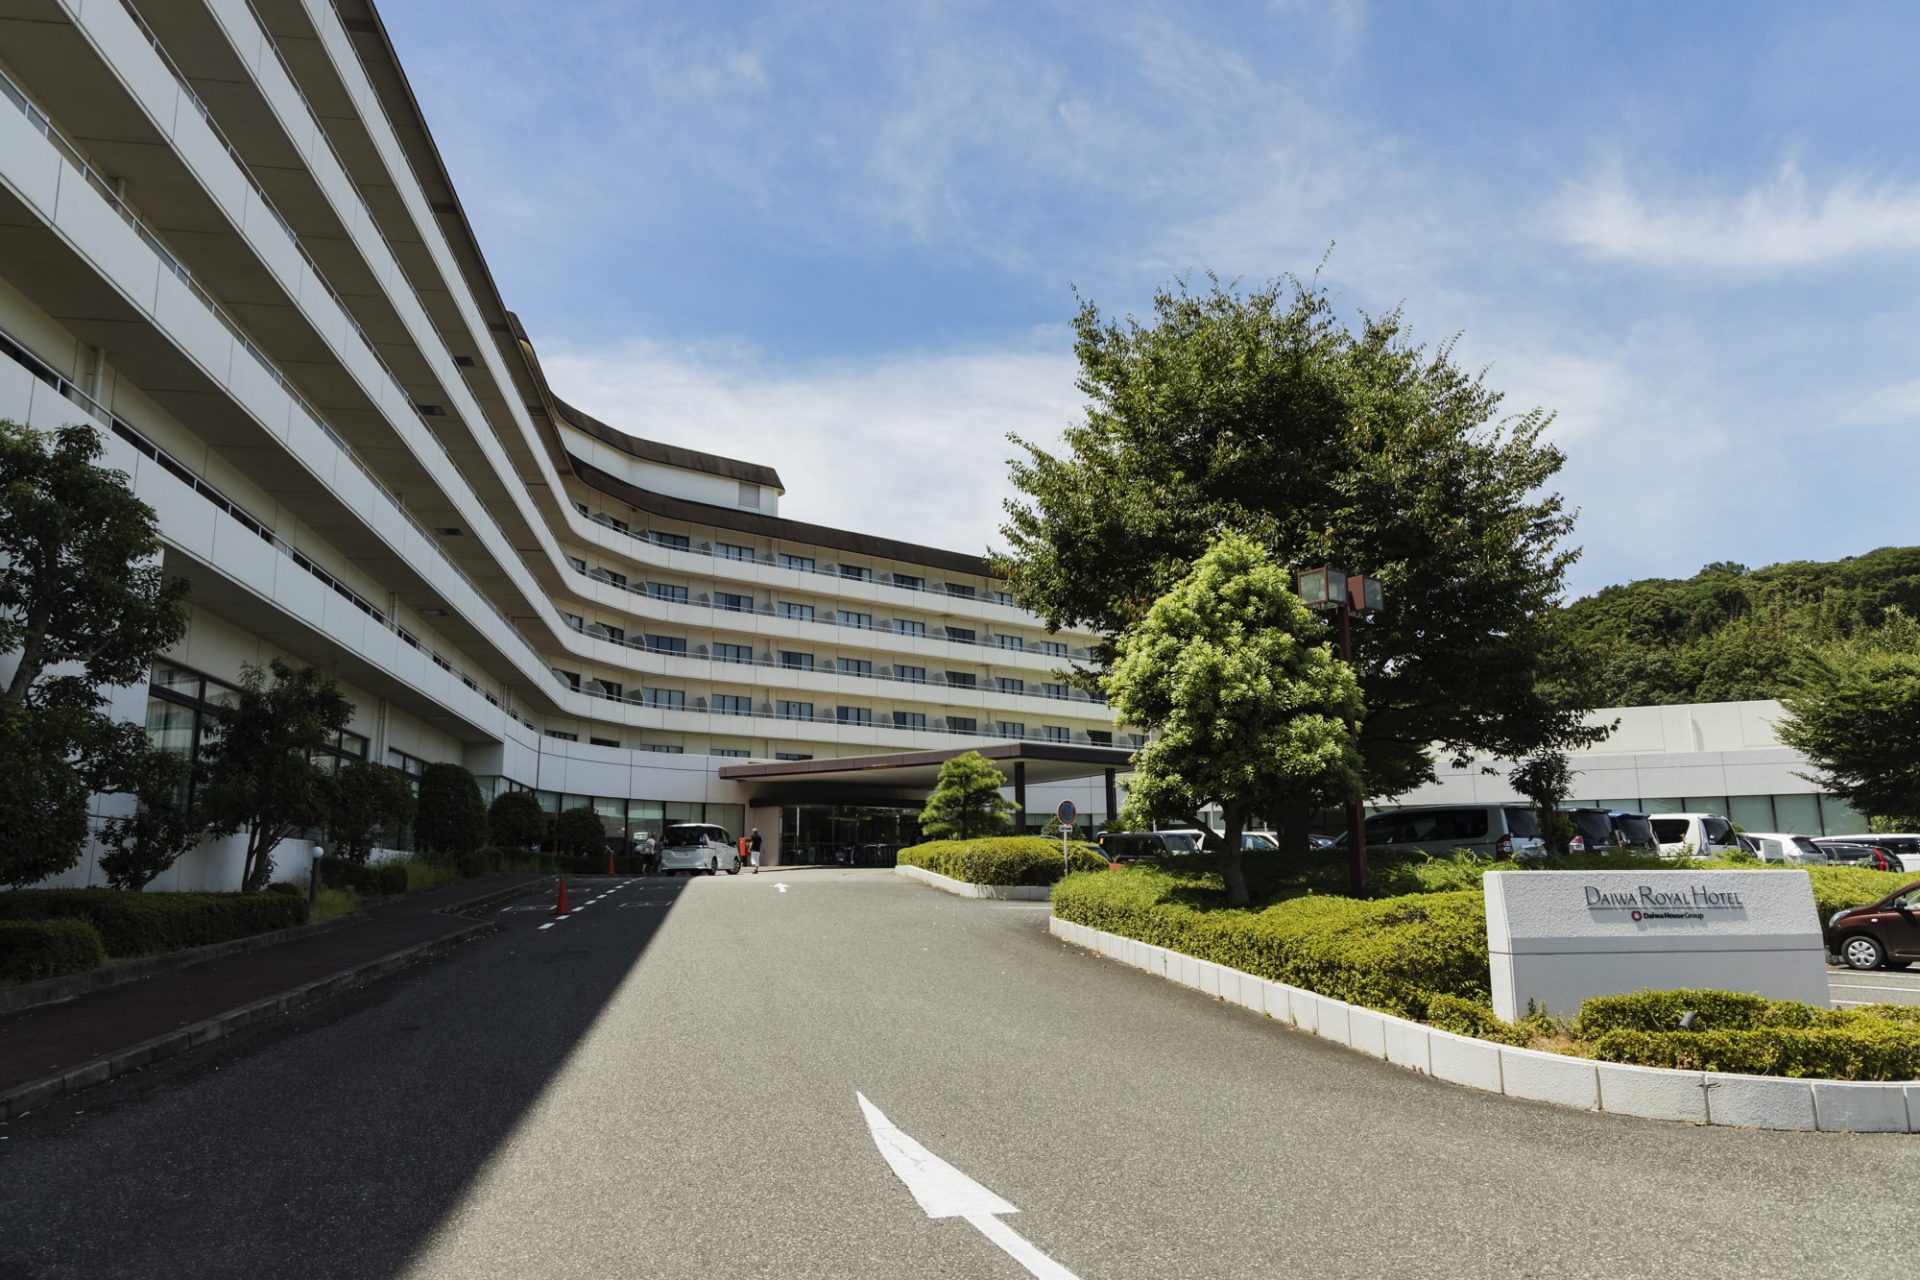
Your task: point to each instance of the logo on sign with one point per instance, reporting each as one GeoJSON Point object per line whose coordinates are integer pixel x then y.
{"type": "Point", "coordinates": [1649, 903]}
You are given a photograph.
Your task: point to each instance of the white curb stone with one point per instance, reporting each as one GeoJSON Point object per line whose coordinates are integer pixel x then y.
{"type": "Point", "coordinates": [1407, 1044]}
{"type": "Point", "coordinates": [1464, 1060]}
{"type": "Point", "coordinates": [1367, 1031]}
{"type": "Point", "coordinates": [1209, 978]}
{"type": "Point", "coordinates": [1844, 1106]}
{"type": "Point", "coordinates": [1656, 1093]}
{"type": "Point", "coordinates": [1759, 1102]}
{"type": "Point", "coordinates": [1550, 1077]}
{"type": "Point", "coordinates": [1306, 1009]}
{"type": "Point", "coordinates": [1279, 997]}
{"type": "Point", "coordinates": [1333, 1020]}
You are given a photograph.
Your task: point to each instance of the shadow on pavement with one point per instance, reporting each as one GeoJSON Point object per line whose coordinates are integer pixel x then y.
{"type": "Point", "coordinates": [333, 1141]}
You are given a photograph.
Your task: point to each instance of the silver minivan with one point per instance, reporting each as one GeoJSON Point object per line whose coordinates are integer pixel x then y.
{"type": "Point", "coordinates": [1492, 830]}
{"type": "Point", "coordinates": [698, 848]}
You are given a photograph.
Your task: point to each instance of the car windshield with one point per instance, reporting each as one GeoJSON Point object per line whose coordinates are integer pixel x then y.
{"type": "Point", "coordinates": [1669, 830]}
{"type": "Point", "coordinates": [1178, 842]}
{"type": "Point", "coordinates": [1251, 840]}
{"type": "Point", "coordinates": [1524, 823]}
{"type": "Point", "coordinates": [1593, 825]}
{"type": "Point", "coordinates": [1634, 828]}
{"type": "Point", "coordinates": [691, 835]}
{"type": "Point", "coordinates": [1809, 851]}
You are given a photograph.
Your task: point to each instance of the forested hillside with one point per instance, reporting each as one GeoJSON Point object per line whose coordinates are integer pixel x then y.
{"type": "Point", "coordinates": [1730, 633]}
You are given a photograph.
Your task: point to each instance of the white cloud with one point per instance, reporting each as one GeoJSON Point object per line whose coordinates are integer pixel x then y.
{"type": "Point", "coordinates": [1890, 403]}
{"type": "Point", "coordinates": [1781, 223]}
{"type": "Point", "coordinates": [911, 447]}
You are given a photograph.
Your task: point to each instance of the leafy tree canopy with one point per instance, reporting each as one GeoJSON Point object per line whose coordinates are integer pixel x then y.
{"type": "Point", "coordinates": [451, 818]}
{"type": "Point", "coordinates": [515, 820]}
{"type": "Point", "coordinates": [1262, 413]}
{"type": "Point", "coordinates": [966, 800]}
{"type": "Point", "coordinates": [1855, 713]}
{"type": "Point", "coordinates": [579, 831]}
{"type": "Point", "coordinates": [164, 825]}
{"type": "Point", "coordinates": [371, 806]}
{"type": "Point", "coordinates": [1247, 702]}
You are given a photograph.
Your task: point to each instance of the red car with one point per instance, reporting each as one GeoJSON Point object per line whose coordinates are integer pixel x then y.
{"type": "Point", "coordinates": [1886, 932]}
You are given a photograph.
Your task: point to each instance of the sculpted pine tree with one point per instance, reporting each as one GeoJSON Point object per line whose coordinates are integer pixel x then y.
{"type": "Point", "coordinates": [1261, 412]}
{"type": "Point", "coordinates": [966, 801]}
{"type": "Point", "coordinates": [1245, 700]}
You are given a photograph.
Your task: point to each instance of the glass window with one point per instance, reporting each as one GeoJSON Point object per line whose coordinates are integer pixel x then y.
{"type": "Point", "coordinates": [1002, 597]}
{"type": "Point", "coordinates": [1054, 690]}
{"type": "Point", "coordinates": [909, 719]}
{"type": "Point", "coordinates": [793, 661]}
{"type": "Point", "coordinates": [963, 724]}
{"type": "Point", "coordinates": [857, 573]}
{"type": "Point", "coordinates": [663, 749]}
{"type": "Point", "coordinates": [1010, 684]}
{"type": "Point", "coordinates": [802, 612]}
{"type": "Point", "coordinates": [666, 644]}
{"type": "Point", "coordinates": [1100, 737]}
{"type": "Point", "coordinates": [853, 618]}
{"type": "Point", "coordinates": [958, 589]}
{"type": "Point", "coordinates": [855, 667]}
{"type": "Point", "coordinates": [853, 715]}
{"type": "Point", "coordinates": [962, 679]}
{"type": "Point", "coordinates": [960, 635]}
{"type": "Point", "coordinates": [1672, 830]}
{"type": "Point", "coordinates": [732, 551]}
{"type": "Point", "coordinates": [1719, 833]}
{"type": "Point", "coordinates": [732, 704]}
{"type": "Point", "coordinates": [667, 591]}
{"type": "Point", "coordinates": [794, 710]}
{"type": "Point", "coordinates": [1010, 728]}
{"type": "Point", "coordinates": [579, 565]}
{"type": "Point", "coordinates": [1524, 824]}
{"type": "Point", "coordinates": [802, 563]}
{"type": "Point", "coordinates": [749, 495]}
{"type": "Point", "coordinates": [1009, 642]}
{"type": "Point", "coordinates": [564, 737]}
{"type": "Point", "coordinates": [673, 699]}
{"type": "Point", "coordinates": [611, 688]}
{"type": "Point", "coordinates": [733, 602]}
{"type": "Point", "coordinates": [909, 627]}
{"type": "Point", "coordinates": [1054, 648]}
{"type": "Point", "coordinates": [677, 541]}
{"type": "Point", "coordinates": [731, 753]}
{"type": "Point", "coordinates": [1797, 815]}
{"type": "Point", "coordinates": [912, 675]}
{"type": "Point", "coordinates": [171, 726]}
{"type": "Point", "coordinates": [603, 742]}
{"type": "Point", "coordinates": [791, 755]}
{"type": "Point", "coordinates": [1058, 733]}
{"type": "Point", "coordinates": [909, 581]}
{"type": "Point", "coordinates": [740, 653]}
{"type": "Point", "coordinates": [574, 620]}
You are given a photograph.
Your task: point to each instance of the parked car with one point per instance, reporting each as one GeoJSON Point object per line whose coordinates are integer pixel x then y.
{"type": "Point", "coordinates": [1886, 932]}
{"type": "Point", "coordinates": [1701, 835]}
{"type": "Point", "coordinates": [1783, 847]}
{"type": "Point", "coordinates": [1132, 846]}
{"type": "Point", "coordinates": [1598, 829]}
{"type": "Point", "coordinates": [683, 849]}
{"type": "Point", "coordinates": [1182, 839]}
{"type": "Point", "coordinates": [1494, 830]}
{"type": "Point", "coordinates": [1902, 848]}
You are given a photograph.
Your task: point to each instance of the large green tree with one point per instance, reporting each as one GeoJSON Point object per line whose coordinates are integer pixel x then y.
{"type": "Point", "coordinates": [580, 832]}
{"type": "Point", "coordinates": [516, 821]}
{"type": "Point", "coordinates": [966, 800]}
{"type": "Point", "coordinates": [1262, 412]}
{"type": "Point", "coordinates": [264, 749]}
{"type": "Point", "coordinates": [166, 821]}
{"type": "Point", "coordinates": [1245, 700]}
{"type": "Point", "coordinates": [451, 819]}
{"type": "Point", "coordinates": [1855, 715]}
{"type": "Point", "coordinates": [83, 604]}
{"type": "Point", "coordinates": [370, 806]}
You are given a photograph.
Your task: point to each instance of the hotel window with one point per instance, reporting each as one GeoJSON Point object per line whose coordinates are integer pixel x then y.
{"type": "Point", "coordinates": [732, 602]}
{"type": "Point", "coordinates": [613, 579]}
{"type": "Point", "coordinates": [796, 661]}
{"type": "Point", "coordinates": [1010, 728]}
{"type": "Point", "coordinates": [908, 627]}
{"type": "Point", "coordinates": [666, 644]}
{"type": "Point", "coordinates": [671, 699]}
{"type": "Point", "coordinates": [412, 766]}
{"type": "Point", "coordinates": [732, 704]}
{"type": "Point", "coordinates": [802, 563]}
{"type": "Point", "coordinates": [575, 621]}
{"type": "Point", "coordinates": [962, 679]}
{"type": "Point", "coordinates": [856, 572]}
{"type": "Point", "coordinates": [852, 715]}
{"type": "Point", "coordinates": [564, 737]}
{"type": "Point", "coordinates": [909, 719]}
{"type": "Point", "coordinates": [614, 523]}
{"type": "Point", "coordinates": [791, 755]}
{"type": "Point", "coordinates": [661, 749]}
{"type": "Point", "coordinates": [854, 667]}
{"type": "Point", "coordinates": [616, 634]}
{"type": "Point", "coordinates": [793, 710]}
{"type": "Point", "coordinates": [1136, 740]}
{"type": "Point", "coordinates": [1054, 690]}
{"type": "Point", "coordinates": [1010, 642]}
{"type": "Point", "coordinates": [749, 495]}
{"type": "Point", "coordinates": [580, 566]}
{"type": "Point", "coordinates": [668, 592]}
{"type": "Point", "coordinates": [854, 618]}
{"type": "Point", "coordinates": [909, 581]}
{"type": "Point", "coordinates": [912, 675]}
{"type": "Point", "coordinates": [799, 612]}
{"type": "Point", "coordinates": [612, 687]}
{"type": "Point", "coordinates": [965, 593]}
{"type": "Point", "coordinates": [740, 653]}
{"type": "Point", "coordinates": [1100, 737]}
{"type": "Point", "coordinates": [730, 753]}
{"type": "Point", "coordinates": [604, 742]}
{"type": "Point", "coordinates": [1010, 684]}
{"type": "Point", "coordinates": [572, 678]}
{"type": "Point", "coordinates": [733, 551]}
{"type": "Point", "coordinates": [1002, 597]}
{"type": "Point", "coordinates": [1057, 733]}
{"type": "Point", "coordinates": [960, 635]}
{"type": "Point", "coordinates": [1054, 648]}
{"type": "Point", "coordinates": [677, 541]}
{"type": "Point", "coordinates": [963, 724]}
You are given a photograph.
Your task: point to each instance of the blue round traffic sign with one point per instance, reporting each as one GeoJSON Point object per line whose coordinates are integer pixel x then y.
{"type": "Point", "coordinates": [1066, 812]}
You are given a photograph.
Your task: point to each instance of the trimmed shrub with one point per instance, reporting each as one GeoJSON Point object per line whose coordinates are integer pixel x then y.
{"type": "Point", "coordinates": [1860, 1049]}
{"type": "Point", "coordinates": [481, 862]}
{"type": "Point", "coordinates": [1835, 888]}
{"type": "Point", "coordinates": [35, 949]}
{"type": "Point", "coordinates": [139, 924]}
{"type": "Point", "coordinates": [1030, 860]}
{"type": "Point", "coordinates": [287, 887]}
{"type": "Point", "coordinates": [1661, 1011]}
{"type": "Point", "coordinates": [389, 878]}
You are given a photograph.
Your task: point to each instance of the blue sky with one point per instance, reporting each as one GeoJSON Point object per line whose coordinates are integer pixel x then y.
{"type": "Point", "coordinates": [842, 238]}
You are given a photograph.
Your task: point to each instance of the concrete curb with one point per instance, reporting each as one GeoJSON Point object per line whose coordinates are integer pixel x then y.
{"type": "Point", "coordinates": [1654, 1093]}
{"type": "Point", "coordinates": [961, 888]}
{"type": "Point", "coordinates": [21, 1099]}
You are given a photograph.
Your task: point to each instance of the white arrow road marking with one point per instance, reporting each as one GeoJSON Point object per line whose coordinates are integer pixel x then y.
{"type": "Point", "coordinates": [945, 1192]}
{"type": "Point", "coordinates": [781, 887]}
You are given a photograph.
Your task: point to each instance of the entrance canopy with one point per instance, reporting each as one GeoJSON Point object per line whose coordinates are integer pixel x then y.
{"type": "Point", "coordinates": [915, 771]}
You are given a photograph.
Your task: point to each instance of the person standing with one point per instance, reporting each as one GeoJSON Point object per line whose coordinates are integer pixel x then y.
{"type": "Point", "coordinates": [753, 850]}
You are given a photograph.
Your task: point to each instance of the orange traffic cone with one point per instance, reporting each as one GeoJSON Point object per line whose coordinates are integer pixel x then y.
{"type": "Point", "coordinates": [560, 907]}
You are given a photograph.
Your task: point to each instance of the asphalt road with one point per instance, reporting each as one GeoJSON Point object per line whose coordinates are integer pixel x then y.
{"type": "Point", "coordinates": [665, 1085]}
{"type": "Point", "coordinates": [1877, 986]}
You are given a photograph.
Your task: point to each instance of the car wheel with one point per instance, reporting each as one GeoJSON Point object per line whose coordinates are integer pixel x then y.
{"type": "Point", "coordinates": [734, 870]}
{"type": "Point", "coordinates": [1862, 952]}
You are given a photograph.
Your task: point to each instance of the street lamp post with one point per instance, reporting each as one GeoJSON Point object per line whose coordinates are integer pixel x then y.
{"type": "Point", "coordinates": [1333, 589]}
{"type": "Point", "coordinates": [313, 876]}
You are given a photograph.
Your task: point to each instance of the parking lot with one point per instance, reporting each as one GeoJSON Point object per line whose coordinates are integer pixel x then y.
{"type": "Point", "coordinates": [1873, 986]}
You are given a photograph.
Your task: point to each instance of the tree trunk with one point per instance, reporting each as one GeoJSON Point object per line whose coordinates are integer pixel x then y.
{"type": "Point", "coordinates": [1295, 825]}
{"type": "Point", "coordinates": [1231, 870]}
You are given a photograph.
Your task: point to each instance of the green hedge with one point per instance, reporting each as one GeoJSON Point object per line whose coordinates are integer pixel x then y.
{"type": "Point", "coordinates": [1858, 1050]}
{"type": "Point", "coordinates": [35, 949]}
{"type": "Point", "coordinates": [1033, 860]}
{"type": "Point", "coordinates": [139, 924]}
{"type": "Point", "coordinates": [1392, 954]}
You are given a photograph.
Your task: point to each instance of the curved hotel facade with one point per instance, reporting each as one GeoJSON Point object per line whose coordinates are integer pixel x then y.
{"type": "Point", "coordinates": [227, 240]}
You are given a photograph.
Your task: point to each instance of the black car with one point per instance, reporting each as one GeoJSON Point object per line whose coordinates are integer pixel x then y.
{"type": "Point", "coordinates": [1859, 853]}
{"type": "Point", "coordinates": [1132, 846]}
{"type": "Point", "coordinates": [1598, 829]}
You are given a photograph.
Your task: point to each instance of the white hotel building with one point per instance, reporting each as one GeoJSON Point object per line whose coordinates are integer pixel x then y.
{"type": "Point", "coordinates": [227, 239]}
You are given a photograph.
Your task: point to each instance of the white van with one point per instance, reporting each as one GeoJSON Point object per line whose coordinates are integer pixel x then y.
{"type": "Point", "coordinates": [698, 848]}
{"type": "Point", "coordinates": [1699, 835]}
